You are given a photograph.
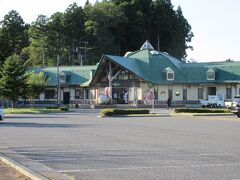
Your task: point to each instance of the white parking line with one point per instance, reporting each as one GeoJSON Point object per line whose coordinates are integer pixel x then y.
{"type": "Point", "coordinates": [148, 167]}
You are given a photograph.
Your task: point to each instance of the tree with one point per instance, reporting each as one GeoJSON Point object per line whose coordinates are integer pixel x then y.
{"type": "Point", "coordinates": [107, 27]}
{"type": "Point", "coordinates": [13, 79]}
{"type": "Point", "coordinates": [38, 33]}
{"type": "Point", "coordinates": [73, 32]}
{"type": "Point", "coordinates": [103, 28]}
{"type": "Point", "coordinates": [155, 20]}
{"type": "Point", "coordinates": [36, 84]}
{"type": "Point", "coordinates": [13, 35]}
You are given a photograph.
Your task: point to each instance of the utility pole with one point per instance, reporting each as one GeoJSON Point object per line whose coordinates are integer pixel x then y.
{"type": "Point", "coordinates": [85, 52]}
{"type": "Point", "coordinates": [58, 82]}
{"type": "Point", "coordinates": [43, 54]}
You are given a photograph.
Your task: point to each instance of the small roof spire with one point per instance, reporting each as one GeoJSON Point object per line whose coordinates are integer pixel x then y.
{"type": "Point", "coordinates": [147, 45]}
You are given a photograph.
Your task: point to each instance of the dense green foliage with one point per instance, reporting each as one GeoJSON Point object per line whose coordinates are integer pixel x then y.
{"type": "Point", "coordinates": [107, 27]}
{"type": "Point", "coordinates": [115, 111]}
{"type": "Point", "coordinates": [64, 109]}
{"type": "Point", "coordinates": [13, 79]}
{"type": "Point", "coordinates": [35, 85]}
{"type": "Point", "coordinates": [60, 108]}
{"type": "Point", "coordinates": [13, 36]}
{"type": "Point", "coordinates": [200, 110]}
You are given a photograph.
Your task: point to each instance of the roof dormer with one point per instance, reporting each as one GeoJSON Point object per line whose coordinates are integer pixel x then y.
{"type": "Point", "coordinates": [210, 74]}
{"type": "Point", "coordinates": [62, 77]}
{"type": "Point", "coordinates": [169, 74]}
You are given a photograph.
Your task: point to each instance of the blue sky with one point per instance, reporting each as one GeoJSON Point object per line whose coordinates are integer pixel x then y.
{"type": "Point", "coordinates": [215, 23]}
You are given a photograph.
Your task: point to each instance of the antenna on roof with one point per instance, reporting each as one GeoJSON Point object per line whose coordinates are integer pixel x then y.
{"type": "Point", "coordinates": [158, 43]}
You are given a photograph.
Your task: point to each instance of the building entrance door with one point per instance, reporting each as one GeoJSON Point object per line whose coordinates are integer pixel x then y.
{"type": "Point", "coordinates": [66, 97]}
{"type": "Point", "coordinates": [120, 95]}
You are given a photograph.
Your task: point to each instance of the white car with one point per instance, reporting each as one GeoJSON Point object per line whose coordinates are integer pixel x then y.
{"type": "Point", "coordinates": [1, 114]}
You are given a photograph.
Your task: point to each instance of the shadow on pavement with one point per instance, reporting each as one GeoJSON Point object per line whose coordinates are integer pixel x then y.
{"type": "Point", "coordinates": [30, 117]}
{"type": "Point", "coordinates": [39, 125]}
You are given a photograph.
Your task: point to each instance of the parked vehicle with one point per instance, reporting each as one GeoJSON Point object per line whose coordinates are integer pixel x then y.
{"type": "Point", "coordinates": [235, 107]}
{"type": "Point", "coordinates": [213, 101]}
{"type": "Point", "coordinates": [1, 114]}
{"type": "Point", "coordinates": [228, 104]}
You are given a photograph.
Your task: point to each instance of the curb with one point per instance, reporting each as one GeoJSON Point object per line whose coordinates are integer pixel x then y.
{"type": "Point", "coordinates": [226, 114]}
{"type": "Point", "coordinates": [22, 169]}
{"type": "Point", "coordinates": [126, 116]}
{"type": "Point", "coordinates": [31, 168]}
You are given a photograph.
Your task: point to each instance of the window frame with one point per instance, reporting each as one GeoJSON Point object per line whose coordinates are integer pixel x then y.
{"type": "Point", "coordinates": [170, 71]}
{"type": "Point", "coordinates": [62, 77]}
{"type": "Point", "coordinates": [49, 95]}
{"type": "Point", "coordinates": [212, 73]}
{"type": "Point", "coordinates": [200, 93]}
{"type": "Point", "coordinates": [80, 91]}
{"type": "Point", "coordinates": [228, 93]}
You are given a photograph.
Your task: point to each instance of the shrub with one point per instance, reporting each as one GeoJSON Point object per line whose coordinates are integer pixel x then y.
{"type": "Point", "coordinates": [105, 103]}
{"type": "Point", "coordinates": [199, 110]}
{"type": "Point", "coordinates": [115, 111]}
{"type": "Point", "coordinates": [63, 109]}
{"type": "Point", "coordinates": [52, 107]}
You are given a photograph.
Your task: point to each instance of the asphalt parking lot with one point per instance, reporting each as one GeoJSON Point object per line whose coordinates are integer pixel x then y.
{"type": "Point", "coordinates": [84, 146]}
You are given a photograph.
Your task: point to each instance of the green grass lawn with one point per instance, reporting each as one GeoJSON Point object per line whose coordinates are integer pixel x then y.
{"type": "Point", "coordinates": [29, 110]}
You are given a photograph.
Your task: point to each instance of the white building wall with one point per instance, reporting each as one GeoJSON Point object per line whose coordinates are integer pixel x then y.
{"type": "Point", "coordinates": [161, 90]}
{"type": "Point", "coordinates": [140, 90]}
{"type": "Point", "coordinates": [177, 88]}
{"type": "Point", "coordinates": [234, 91]}
{"type": "Point", "coordinates": [238, 89]}
{"type": "Point", "coordinates": [41, 97]}
{"type": "Point", "coordinates": [192, 92]}
{"type": "Point", "coordinates": [72, 94]}
{"type": "Point", "coordinates": [139, 93]}
{"type": "Point", "coordinates": [221, 90]}
{"type": "Point", "coordinates": [130, 93]}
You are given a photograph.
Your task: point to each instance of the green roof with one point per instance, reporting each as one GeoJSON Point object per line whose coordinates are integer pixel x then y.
{"type": "Point", "coordinates": [224, 71]}
{"type": "Point", "coordinates": [77, 74]}
{"type": "Point", "coordinates": [149, 65]}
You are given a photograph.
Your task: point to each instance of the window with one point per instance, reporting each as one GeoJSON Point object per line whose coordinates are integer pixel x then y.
{"type": "Point", "coordinates": [184, 94]}
{"type": "Point", "coordinates": [123, 76]}
{"type": "Point", "coordinates": [200, 93]}
{"type": "Point", "coordinates": [79, 93]}
{"type": "Point", "coordinates": [62, 77]}
{"type": "Point", "coordinates": [49, 94]}
{"type": "Point", "coordinates": [229, 93]}
{"type": "Point", "coordinates": [210, 74]}
{"type": "Point", "coordinates": [170, 74]}
{"type": "Point", "coordinates": [130, 76]}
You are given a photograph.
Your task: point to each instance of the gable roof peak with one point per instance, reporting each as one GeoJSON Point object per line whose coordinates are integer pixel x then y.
{"type": "Point", "coordinates": [147, 45]}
